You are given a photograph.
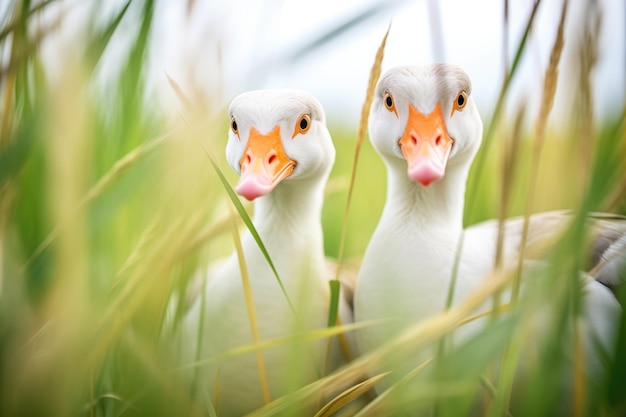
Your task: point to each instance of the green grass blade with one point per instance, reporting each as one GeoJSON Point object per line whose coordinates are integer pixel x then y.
{"type": "Point", "coordinates": [122, 165]}
{"type": "Point", "coordinates": [480, 161]}
{"type": "Point", "coordinates": [333, 312]}
{"type": "Point", "coordinates": [100, 41]}
{"type": "Point", "coordinates": [235, 200]}
{"type": "Point", "coordinates": [248, 222]}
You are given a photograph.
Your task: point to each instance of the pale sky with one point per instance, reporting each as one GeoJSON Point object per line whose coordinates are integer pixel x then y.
{"type": "Point", "coordinates": [250, 36]}
{"type": "Point", "coordinates": [227, 47]}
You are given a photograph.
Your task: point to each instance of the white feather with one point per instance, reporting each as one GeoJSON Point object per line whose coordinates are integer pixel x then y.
{"type": "Point", "coordinates": [408, 265]}
{"type": "Point", "coordinates": [288, 219]}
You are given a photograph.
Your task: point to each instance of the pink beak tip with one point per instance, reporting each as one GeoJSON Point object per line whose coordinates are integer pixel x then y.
{"type": "Point", "coordinates": [425, 172]}
{"type": "Point", "coordinates": [251, 187]}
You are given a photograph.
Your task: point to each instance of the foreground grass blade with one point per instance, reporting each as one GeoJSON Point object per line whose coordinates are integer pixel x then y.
{"type": "Point", "coordinates": [247, 290]}
{"type": "Point", "coordinates": [233, 197]}
{"type": "Point", "coordinates": [378, 405]}
{"type": "Point", "coordinates": [419, 334]}
{"type": "Point", "coordinates": [333, 314]}
{"type": "Point", "coordinates": [282, 341]}
{"type": "Point", "coordinates": [100, 42]}
{"type": "Point", "coordinates": [335, 292]}
{"type": "Point", "coordinates": [350, 395]}
{"type": "Point", "coordinates": [549, 90]}
{"type": "Point", "coordinates": [11, 27]}
{"type": "Point", "coordinates": [365, 112]}
{"type": "Point", "coordinates": [479, 163]}
{"type": "Point", "coordinates": [248, 222]}
{"type": "Point", "coordinates": [122, 165]}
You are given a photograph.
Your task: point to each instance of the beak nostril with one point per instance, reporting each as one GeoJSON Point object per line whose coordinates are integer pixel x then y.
{"type": "Point", "coordinates": [413, 140]}
{"type": "Point", "coordinates": [248, 158]}
{"type": "Point", "coordinates": [438, 140]}
{"type": "Point", "coordinates": [271, 159]}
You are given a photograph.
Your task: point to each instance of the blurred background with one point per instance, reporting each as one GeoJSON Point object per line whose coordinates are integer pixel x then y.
{"type": "Point", "coordinates": [327, 48]}
{"type": "Point", "coordinates": [111, 110]}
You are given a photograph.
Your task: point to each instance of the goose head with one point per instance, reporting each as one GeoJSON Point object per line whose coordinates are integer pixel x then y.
{"type": "Point", "coordinates": [423, 119]}
{"type": "Point", "coordinates": [277, 136]}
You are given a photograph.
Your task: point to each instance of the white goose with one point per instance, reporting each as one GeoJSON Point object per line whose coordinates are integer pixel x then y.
{"type": "Point", "coordinates": [426, 127]}
{"type": "Point", "coordinates": [279, 144]}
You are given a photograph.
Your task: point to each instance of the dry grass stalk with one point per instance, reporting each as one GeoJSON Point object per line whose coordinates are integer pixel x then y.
{"type": "Point", "coordinates": [23, 49]}
{"type": "Point", "coordinates": [510, 152]}
{"type": "Point", "coordinates": [349, 395]}
{"type": "Point", "coordinates": [252, 319]}
{"type": "Point", "coordinates": [420, 334]}
{"type": "Point", "coordinates": [365, 112]}
{"type": "Point", "coordinates": [379, 406]}
{"type": "Point", "coordinates": [587, 60]}
{"type": "Point", "coordinates": [180, 94]}
{"type": "Point", "coordinates": [549, 89]}
{"type": "Point", "coordinates": [308, 336]}
{"type": "Point", "coordinates": [12, 26]}
{"type": "Point", "coordinates": [157, 264]}
{"type": "Point", "coordinates": [550, 82]}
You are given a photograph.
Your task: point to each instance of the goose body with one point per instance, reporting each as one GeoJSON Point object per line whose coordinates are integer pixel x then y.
{"type": "Point", "coordinates": [280, 146]}
{"type": "Point", "coordinates": [426, 127]}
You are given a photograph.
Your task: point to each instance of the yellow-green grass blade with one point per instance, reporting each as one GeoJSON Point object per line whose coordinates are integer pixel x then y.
{"type": "Point", "coordinates": [549, 90]}
{"type": "Point", "coordinates": [350, 395]}
{"type": "Point", "coordinates": [335, 292]}
{"type": "Point", "coordinates": [100, 41]}
{"type": "Point", "coordinates": [248, 222]}
{"type": "Point", "coordinates": [121, 166]}
{"type": "Point", "coordinates": [417, 335]}
{"type": "Point", "coordinates": [381, 403]}
{"type": "Point", "coordinates": [251, 309]}
{"type": "Point", "coordinates": [308, 336]}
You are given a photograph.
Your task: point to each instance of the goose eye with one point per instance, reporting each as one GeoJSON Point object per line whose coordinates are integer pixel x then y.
{"type": "Point", "coordinates": [389, 103]}
{"type": "Point", "coordinates": [302, 125]}
{"type": "Point", "coordinates": [460, 101]}
{"type": "Point", "coordinates": [233, 126]}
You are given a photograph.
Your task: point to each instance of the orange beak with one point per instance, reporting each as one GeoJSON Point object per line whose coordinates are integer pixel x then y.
{"type": "Point", "coordinates": [264, 164]}
{"type": "Point", "coordinates": [426, 145]}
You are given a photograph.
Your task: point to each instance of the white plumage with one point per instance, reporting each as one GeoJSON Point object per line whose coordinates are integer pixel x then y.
{"type": "Point", "coordinates": [279, 144]}
{"type": "Point", "coordinates": [426, 127]}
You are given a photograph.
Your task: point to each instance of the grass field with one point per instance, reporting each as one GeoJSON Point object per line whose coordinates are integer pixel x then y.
{"type": "Point", "coordinates": [108, 206]}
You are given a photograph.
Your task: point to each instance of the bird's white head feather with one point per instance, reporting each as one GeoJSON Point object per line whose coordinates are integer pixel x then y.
{"type": "Point", "coordinates": [263, 110]}
{"type": "Point", "coordinates": [424, 87]}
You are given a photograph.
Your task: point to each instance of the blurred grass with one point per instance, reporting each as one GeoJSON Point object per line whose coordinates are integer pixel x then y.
{"type": "Point", "coordinates": [108, 206]}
